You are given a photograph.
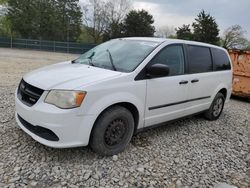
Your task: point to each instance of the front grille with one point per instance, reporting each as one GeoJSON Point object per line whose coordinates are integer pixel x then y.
{"type": "Point", "coordinates": [28, 94]}
{"type": "Point", "coordinates": [39, 131]}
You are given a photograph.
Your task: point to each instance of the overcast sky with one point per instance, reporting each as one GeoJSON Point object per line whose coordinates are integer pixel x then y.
{"type": "Point", "coordinates": [178, 12]}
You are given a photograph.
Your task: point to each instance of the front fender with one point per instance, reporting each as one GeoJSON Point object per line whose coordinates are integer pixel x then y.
{"type": "Point", "coordinates": [118, 97]}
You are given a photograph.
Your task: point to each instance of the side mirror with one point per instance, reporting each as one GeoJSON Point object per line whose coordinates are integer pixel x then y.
{"type": "Point", "coordinates": [157, 70]}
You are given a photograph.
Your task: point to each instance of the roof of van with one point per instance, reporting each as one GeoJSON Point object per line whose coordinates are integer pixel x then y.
{"type": "Point", "coordinates": [161, 40]}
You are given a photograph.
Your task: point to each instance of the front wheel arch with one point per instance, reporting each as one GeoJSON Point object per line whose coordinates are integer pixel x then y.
{"type": "Point", "coordinates": [129, 106]}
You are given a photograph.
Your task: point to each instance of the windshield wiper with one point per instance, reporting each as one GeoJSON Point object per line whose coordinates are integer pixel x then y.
{"type": "Point", "coordinates": [111, 60]}
{"type": "Point", "coordinates": [90, 59]}
{"type": "Point", "coordinates": [91, 63]}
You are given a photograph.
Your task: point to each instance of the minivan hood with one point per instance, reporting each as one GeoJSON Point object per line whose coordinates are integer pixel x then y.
{"type": "Point", "coordinates": [67, 76]}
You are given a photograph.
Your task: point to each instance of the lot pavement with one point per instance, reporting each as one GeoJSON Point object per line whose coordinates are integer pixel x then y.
{"type": "Point", "coordinates": [189, 153]}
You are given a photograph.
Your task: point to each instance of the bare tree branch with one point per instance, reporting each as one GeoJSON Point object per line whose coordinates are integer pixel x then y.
{"type": "Point", "coordinates": [233, 37]}
{"type": "Point", "coordinates": [98, 15]}
{"type": "Point", "coordinates": [165, 31]}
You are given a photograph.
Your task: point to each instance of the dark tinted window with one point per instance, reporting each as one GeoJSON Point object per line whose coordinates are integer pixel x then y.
{"type": "Point", "coordinates": [199, 59]}
{"type": "Point", "coordinates": [173, 57]}
{"type": "Point", "coordinates": [221, 60]}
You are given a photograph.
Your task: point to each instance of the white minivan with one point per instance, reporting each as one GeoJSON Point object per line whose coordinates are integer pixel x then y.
{"type": "Point", "coordinates": [121, 87]}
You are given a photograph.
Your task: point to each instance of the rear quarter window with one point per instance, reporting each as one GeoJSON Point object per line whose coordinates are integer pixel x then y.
{"type": "Point", "coordinates": [200, 59]}
{"type": "Point", "coordinates": [220, 59]}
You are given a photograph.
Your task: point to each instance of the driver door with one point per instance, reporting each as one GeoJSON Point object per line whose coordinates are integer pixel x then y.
{"type": "Point", "coordinates": [166, 96]}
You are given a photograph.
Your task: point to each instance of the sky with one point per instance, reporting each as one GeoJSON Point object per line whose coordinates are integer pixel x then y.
{"type": "Point", "coordinates": [175, 13]}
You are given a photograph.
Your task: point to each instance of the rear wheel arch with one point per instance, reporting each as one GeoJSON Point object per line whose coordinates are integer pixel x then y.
{"type": "Point", "coordinates": [223, 91]}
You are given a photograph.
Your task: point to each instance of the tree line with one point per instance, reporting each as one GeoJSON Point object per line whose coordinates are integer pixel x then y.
{"type": "Point", "coordinates": [97, 21]}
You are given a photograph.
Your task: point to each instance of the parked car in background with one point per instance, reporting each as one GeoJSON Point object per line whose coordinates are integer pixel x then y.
{"type": "Point", "coordinates": [121, 87]}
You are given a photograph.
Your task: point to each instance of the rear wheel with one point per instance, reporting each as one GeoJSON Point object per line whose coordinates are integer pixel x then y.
{"type": "Point", "coordinates": [216, 107]}
{"type": "Point", "coordinates": [112, 131]}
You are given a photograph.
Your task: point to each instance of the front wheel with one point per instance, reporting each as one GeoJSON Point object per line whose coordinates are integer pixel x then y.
{"type": "Point", "coordinates": [216, 107]}
{"type": "Point", "coordinates": [112, 131]}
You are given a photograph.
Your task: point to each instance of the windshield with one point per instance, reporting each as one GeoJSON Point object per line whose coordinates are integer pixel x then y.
{"type": "Point", "coordinates": [119, 54]}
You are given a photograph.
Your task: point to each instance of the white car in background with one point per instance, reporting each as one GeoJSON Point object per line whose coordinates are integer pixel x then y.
{"type": "Point", "coordinates": [121, 87]}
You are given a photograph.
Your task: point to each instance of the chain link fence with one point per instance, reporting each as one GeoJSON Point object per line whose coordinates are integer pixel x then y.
{"type": "Point", "coordinates": [46, 45]}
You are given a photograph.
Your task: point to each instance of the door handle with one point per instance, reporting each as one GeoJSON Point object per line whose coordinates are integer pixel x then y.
{"type": "Point", "coordinates": [194, 80]}
{"type": "Point", "coordinates": [183, 82]}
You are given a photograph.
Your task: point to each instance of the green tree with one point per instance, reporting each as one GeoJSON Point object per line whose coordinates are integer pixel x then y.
{"type": "Point", "coordinates": [85, 37]}
{"type": "Point", "coordinates": [3, 2]}
{"type": "Point", "coordinates": [5, 27]}
{"type": "Point", "coordinates": [248, 46]}
{"type": "Point", "coordinates": [114, 30]}
{"type": "Point", "coordinates": [205, 28]}
{"type": "Point", "coordinates": [45, 19]}
{"type": "Point", "coordinates": [139, 23]}
{"type": "Point", "coordinates": [68, 19]}
{"type": "Point", "coordinates": [184, 32]}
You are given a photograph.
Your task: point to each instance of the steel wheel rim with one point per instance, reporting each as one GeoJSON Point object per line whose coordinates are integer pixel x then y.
{"type": "Point", "coordinates": [115, 132]}
{"type": "Point", "coordinates": [217, 108]}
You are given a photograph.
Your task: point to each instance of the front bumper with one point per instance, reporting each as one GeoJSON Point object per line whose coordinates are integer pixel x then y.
{"type": "Point", "coordinates": [71, 127]}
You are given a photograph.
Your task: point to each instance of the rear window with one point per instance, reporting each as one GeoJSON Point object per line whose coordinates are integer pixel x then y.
{"type": "Point", "coordinates": [220, 59]}
{"type": "Point", "coordinates": [199, 59]}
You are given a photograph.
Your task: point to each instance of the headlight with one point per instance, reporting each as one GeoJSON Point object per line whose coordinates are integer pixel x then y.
{"type": "Point", "coordinates": [65, 99]}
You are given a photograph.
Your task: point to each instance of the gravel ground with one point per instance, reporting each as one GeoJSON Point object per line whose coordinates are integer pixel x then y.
{"type": "Point", "coordinates": [189, 153]}
{"type": "Point", "coordinates": [15, 63]}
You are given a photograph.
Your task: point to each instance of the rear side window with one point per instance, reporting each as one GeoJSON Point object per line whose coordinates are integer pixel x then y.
{"type": "Point", "coordinates": [200, 59]}
{"type": "Point", "coordinates": [220, 59]}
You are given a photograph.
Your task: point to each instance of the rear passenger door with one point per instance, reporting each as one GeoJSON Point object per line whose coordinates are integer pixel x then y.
{"type": "Point", "coordinates": [202, 82]}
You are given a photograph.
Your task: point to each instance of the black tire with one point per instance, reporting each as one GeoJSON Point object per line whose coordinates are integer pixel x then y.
{"type": "Point", "coordinates": [216, 108]}
{"type": "Point", "coordinates": [112, 131]}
